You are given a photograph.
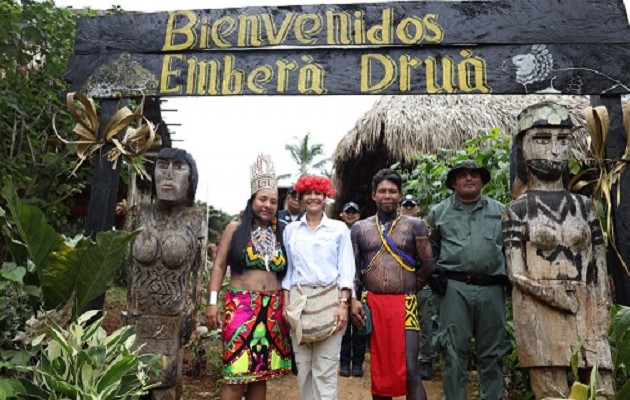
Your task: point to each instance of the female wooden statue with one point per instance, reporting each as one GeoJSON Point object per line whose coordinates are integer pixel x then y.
{"type": "Point", "coordinates": [168, 257]}
{"type": "Point", "coordinates": [555, 257]}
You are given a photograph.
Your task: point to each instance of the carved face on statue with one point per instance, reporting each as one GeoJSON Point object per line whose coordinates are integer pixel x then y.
{"type": "Point", "coordinates": [174, 177]}
{"type": "Point", "coordinates": [546, 151]}
{"type": "Point", "coordinates": [171, 180]}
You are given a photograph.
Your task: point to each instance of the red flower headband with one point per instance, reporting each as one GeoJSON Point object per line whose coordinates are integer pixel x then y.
{"type": "Point", "coordinates": [316, 183]}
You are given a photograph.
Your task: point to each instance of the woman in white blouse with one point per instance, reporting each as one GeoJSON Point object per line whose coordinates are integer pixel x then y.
{"type": "Point", "coordinates": [319, 254]}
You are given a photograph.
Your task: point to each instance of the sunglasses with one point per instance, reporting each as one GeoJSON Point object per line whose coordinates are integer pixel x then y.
{"type": "Point", "coordinates": [351, 211]}
{"type": "Point", "coordinates": [409, 205]}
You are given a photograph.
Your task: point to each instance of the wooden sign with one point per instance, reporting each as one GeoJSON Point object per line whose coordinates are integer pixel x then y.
{"type": "Point", "coordinates": [523, 69]}
{"type": "Point", "coordinates": [503, 47]}
{"type": "Point", "coordinates": [374, 24]}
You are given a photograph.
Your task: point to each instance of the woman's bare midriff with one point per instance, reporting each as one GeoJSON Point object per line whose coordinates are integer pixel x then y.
{"type": "Point", "coordinates": [256, 280]}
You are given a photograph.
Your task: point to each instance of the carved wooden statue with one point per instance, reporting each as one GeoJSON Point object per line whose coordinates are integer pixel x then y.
{"type": "Point", "coordinates": [168, 260]}
{"type": "Point", "coordinates": [556, 261]}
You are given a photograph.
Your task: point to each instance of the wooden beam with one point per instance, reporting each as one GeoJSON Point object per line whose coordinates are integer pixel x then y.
{"type": "Point", "coordinates": [615, 147]}
{"type": "Point", "coordinates": [373, 24]}
{"type": "Point", "coordinates": [524, 69]}
{"type": "Point", "coordinates": [104, 188]}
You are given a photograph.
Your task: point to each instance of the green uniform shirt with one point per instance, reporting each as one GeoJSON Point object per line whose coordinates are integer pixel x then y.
{"type": "Point", "coordinates": [468, 241]}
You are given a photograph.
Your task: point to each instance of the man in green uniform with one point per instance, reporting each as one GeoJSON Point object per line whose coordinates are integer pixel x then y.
{"type": "Point", "coordinates": [467, 246]}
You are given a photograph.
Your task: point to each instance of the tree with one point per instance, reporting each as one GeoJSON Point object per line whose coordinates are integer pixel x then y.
{"type": "Point", "coordinates": [305, 154]}
{"type": "Point", "coordinates": [217, 220]}
{"type": "Point", "coordinates": [36, 41]}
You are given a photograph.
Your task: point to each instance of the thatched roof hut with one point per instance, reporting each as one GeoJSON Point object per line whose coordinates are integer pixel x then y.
{"type": "Point", "coordinates": [397, 127]}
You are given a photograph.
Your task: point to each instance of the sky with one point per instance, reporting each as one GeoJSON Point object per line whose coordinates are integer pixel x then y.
{"type": "Point", "coordinates": [224, 134]}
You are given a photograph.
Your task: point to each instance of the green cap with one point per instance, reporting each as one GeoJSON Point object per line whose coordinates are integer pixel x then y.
{"type": "Point", "coordinates": [470, 165]}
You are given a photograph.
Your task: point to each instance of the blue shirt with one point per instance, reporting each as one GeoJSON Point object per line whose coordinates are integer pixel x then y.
{"type": "Point", "coordinates": [319, 257]}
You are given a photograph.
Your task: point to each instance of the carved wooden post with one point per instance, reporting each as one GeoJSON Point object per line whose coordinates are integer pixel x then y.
{"type": "Point", "coordinates": [104, 190]}
{"type": "Point", "coordinates": [615, 146]}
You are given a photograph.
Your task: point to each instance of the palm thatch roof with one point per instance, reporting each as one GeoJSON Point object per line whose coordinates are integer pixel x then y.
{"type": "Point", "coordinates": [397, 127]}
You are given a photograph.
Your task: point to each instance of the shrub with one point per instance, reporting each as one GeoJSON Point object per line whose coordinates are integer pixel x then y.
{"type": "Point", "coordinates": [83, 363]}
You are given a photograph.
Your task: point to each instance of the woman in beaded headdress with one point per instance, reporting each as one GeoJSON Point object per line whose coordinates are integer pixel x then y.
{"type": "Point", "coordinates": [555, 257]}
{"type": "Point", "coordinates": [256, 344]}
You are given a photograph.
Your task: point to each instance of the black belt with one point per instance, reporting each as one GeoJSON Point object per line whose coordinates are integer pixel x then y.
{"type": "Point", "coordinates": [479, 280]}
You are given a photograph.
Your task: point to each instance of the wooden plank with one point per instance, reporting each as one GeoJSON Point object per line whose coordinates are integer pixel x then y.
{"type": "Point", "coordinates": [373, 24]}
{"type": "Point", "coordinates": [566, 69]}
{"type": "Point", "coordinates": [104, 188]}
{"type": "Point", "coordinates": [615, 147]}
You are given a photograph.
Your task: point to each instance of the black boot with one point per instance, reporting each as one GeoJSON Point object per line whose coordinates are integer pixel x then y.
{"type": "Point", "coordinates": [357, 370]}
{"type": "Point", "coordinates": [344, 370]}
{"type": "Point", "coordinates": [426, 371]}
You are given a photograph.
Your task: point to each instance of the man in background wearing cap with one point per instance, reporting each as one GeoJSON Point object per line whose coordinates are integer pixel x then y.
{"type": "Point", "coordinates": [353, 344]}
{"type": "Point", "coordinates": [409, 206]}
{"type": "Point", "coordinates": [293, 210]}
{"type": "Point", "coordinates": [426, 306]}
{"type": "Point", "coordinates": [467, 246]}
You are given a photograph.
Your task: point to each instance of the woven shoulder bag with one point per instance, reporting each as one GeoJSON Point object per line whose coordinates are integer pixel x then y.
{"type": "Point", "coordinates": [312, 317]}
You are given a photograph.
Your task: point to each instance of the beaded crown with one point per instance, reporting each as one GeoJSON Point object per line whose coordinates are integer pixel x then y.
{"type": "Point", "coordinates": [263, 174]}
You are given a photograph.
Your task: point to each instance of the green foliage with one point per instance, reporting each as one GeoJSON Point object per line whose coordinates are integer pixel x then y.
{"type": "Point", "coordinates": [619, 337]}
{"type": "Point", "coordinates": [36, 41]}
{"type": "Point", "coordinates": [15, 303]}
{"type": "Point", "coordinates": [82, 362]}
{"type": "Point", "coordinates": [426, 181]}
{"type": "Point", "coordinates": [217, 220]}
{"type": "Point", "coordinates": [17, 299]}
{"type": "Point", "coordinates": [66, 270]}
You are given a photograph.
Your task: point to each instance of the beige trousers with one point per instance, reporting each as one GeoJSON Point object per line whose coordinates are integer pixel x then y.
{"type": "Point", "coordinates": [317, 364]}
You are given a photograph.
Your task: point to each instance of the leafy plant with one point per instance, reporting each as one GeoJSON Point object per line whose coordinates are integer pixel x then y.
{"type": "Point", "coordinates": [83, 363]}
{"type": "Point", "coordinates": [619, 337]}
{"type": "Point", "coordinates": [426, 181]}
{"type": "Point", "coordinates": [36, 41]}
{"type": "Point", "coordinates": [15, 302]}
{"type": "Point", "coordinates": [68, 271]}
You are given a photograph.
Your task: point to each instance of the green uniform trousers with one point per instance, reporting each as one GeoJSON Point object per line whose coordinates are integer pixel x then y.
{"type": "Point", "coordinates": [466, 312]}
{"type": "Point", "coordinates": [426, 311]}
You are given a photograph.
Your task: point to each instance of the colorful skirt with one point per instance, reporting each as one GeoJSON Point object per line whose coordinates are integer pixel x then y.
{"type": "Point", "coordinates": [256, 342]}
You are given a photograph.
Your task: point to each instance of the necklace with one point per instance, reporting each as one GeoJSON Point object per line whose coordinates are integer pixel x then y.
{"type": "Point", "coordinates": [264, 242]}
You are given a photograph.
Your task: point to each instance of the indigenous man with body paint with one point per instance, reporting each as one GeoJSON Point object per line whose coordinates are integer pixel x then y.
{"type": "Point", "coordinates": [393, 259]}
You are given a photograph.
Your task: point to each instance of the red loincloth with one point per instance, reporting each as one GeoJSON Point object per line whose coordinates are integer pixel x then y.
{"type": "Point", "coordinates": [387, 344]}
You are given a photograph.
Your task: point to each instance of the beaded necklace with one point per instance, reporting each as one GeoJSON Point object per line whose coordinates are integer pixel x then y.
{"type": "Point", "coordinates": [264, 243]}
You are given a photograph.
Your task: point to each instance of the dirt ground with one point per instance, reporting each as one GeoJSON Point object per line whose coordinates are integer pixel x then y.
{"type": "Point", "coordinates": [285, 388]}
{"type": "Point", "coordinates": [201, 374]}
